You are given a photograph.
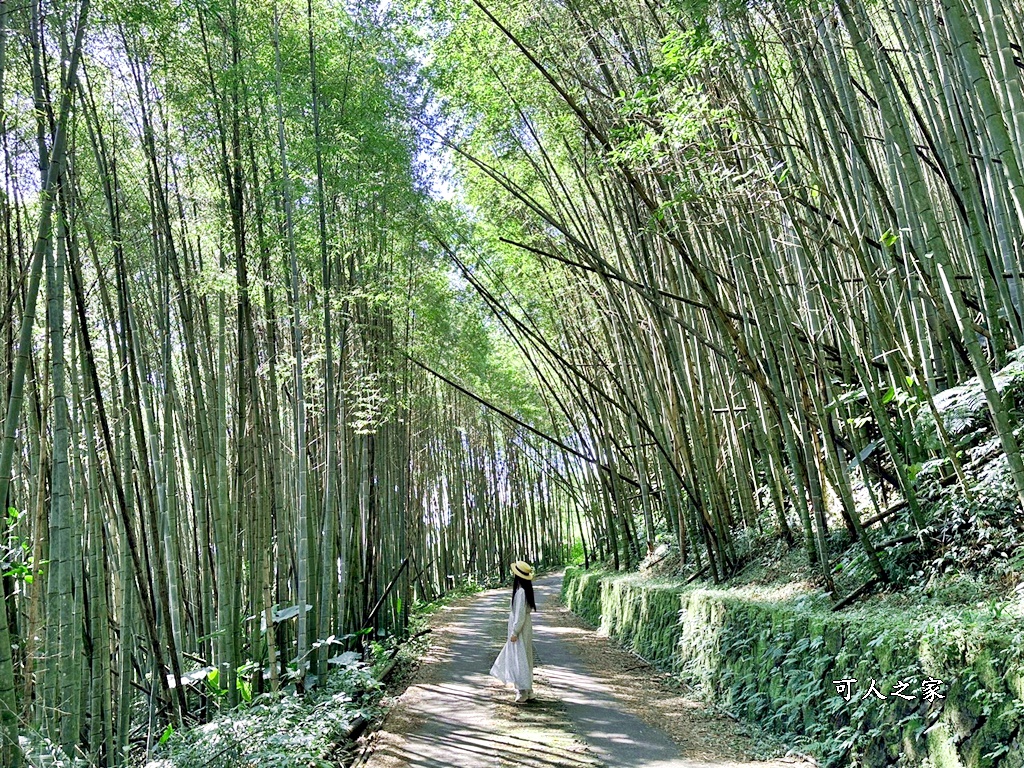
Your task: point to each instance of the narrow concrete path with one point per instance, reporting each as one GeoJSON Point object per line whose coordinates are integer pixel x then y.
{"type": "Point", "coordinates": [454, 715]}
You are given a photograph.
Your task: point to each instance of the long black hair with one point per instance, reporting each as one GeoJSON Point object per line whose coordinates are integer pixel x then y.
{"type": "Point", "coordinates": [527, 587]}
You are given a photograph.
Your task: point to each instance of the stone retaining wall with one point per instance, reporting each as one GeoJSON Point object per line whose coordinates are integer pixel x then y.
{"type": "Point", "coordinates": [773, 660]}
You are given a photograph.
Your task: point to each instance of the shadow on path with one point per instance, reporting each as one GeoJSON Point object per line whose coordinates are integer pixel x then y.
{"type": "Point", "coordinates": [617, 737]}
{"type": "Point", "coordinates": [455, 715]}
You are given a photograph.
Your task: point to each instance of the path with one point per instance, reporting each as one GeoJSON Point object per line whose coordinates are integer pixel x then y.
{"type": "Point", "coordinates": [592, 708]}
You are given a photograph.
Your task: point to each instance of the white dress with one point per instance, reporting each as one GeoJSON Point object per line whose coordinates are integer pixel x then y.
{"type": "Point", "coordinates": [515, 662]}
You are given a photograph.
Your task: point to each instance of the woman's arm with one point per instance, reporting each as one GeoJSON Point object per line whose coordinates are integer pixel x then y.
{"type": "Point", "coordinates": [518, 615]}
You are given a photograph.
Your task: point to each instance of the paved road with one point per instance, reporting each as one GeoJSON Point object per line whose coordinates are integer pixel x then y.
{"type": "Point", "coordinates": [456, 716]}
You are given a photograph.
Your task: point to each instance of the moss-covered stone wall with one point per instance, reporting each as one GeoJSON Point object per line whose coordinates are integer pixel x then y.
{"type": "Point", "coordinates": [773, 659]}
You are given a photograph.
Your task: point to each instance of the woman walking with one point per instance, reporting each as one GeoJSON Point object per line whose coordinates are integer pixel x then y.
{"type": "Point", "coordinates": [514, 664]}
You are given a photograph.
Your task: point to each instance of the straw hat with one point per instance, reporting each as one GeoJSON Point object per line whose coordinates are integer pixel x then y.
{"type": "Point", "coordinates": [523, 570]}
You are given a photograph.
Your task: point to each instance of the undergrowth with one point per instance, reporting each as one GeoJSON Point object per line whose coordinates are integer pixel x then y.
{"type": "Point", "coordinates": [288, 731]}
{"type": "Point", "coordinates": [278, 731]}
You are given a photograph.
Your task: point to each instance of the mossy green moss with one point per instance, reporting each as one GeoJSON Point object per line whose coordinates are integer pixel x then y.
{"type": "Point", "coordinates": [773, 660]}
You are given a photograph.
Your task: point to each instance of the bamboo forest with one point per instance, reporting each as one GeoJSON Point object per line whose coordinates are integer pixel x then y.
{"type": "Point", "coordinates": [330, 327]}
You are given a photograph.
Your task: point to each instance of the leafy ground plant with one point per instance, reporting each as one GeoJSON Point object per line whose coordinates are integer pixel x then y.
{"type": "Point", "coordinates": [283, 731]}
